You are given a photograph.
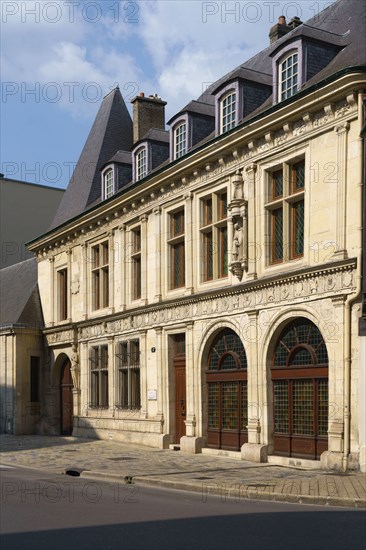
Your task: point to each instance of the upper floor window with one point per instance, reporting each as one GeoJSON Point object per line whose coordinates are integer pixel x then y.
{"type": "Point", "coordinates": [288, 76]}
{"type": "Point", "coordinates": [228, 112]}
{"type": "Point", "coordinates": [214, 236]}
{"type": "Point", "coordinates": [177, 249]}
{"type": "Point", "coordinates": [136, 263]}
{"type": "Point", "coordinates": [286, 212]}
{"type": "Point", "coordinates": [62, 294]}
{"type": "Point", "coordinates": [99, 376]}
{"type": "Point", "coordinates": [108, 183]}
{"type": "Point", "coordinates": [141, 164]}
{"type": "Point", "coordinates": [180, 140]}
{"type": "Point", "coordinates": [100, 276]}
{"type": "Point", "coordinates": [128, 385]}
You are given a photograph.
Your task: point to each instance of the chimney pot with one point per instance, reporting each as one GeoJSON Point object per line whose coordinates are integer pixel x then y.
{"type": "Point", "coordinates": [282, 20]}
{"type": "Point", "coordinates": [142, 94]}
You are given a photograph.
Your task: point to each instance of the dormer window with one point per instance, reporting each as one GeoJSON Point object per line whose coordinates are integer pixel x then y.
{"type": "Point", "coordinates": [288, 76]}
{"type": "Point", "coordinates": [180, 140]}
{"type": "Point", "coordinates": [228, 112]}
{"type": "Point", "coordinates": [141, 164]}
{"type": "Point", "coordinates": [108, 183]}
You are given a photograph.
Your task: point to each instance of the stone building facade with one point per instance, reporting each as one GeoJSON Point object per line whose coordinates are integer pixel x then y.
{"type": "Point", "coordinates": [213, 302]}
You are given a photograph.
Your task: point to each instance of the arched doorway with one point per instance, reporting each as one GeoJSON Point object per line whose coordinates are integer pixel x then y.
{"type": "Point", "coordinates": [226, 378]}
{"type": "Point", "coordinates": [66, 400]}
{"type": "Point", "coordinates": [300, 391]}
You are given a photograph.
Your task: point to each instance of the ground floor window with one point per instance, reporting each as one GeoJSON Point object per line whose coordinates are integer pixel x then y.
{"type": "Point", "coordinates": [226, 377]}
{"type": "Point", "coordinates": [300, 391]}
{"type": "Point", "coordinates": [99, 376]}
{"type": "Point", "coordinates": [128, 365]}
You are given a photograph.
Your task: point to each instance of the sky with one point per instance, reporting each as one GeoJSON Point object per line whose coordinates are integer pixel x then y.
{"type": "Point", "coordinates": [60, 58]}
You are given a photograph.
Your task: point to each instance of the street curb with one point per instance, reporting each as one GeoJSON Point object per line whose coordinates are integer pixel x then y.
{"type": "Point", "coordinates": [237, 491]}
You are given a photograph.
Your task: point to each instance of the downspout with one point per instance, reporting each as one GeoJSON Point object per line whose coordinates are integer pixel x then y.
{"type": "Point", "coordinates": [352, 299]}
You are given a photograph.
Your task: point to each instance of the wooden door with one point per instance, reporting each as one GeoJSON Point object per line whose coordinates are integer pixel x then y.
{"type": "Point", "coordinates": [66, 400]}
{"type": "Point", "coordinates": [179, 362]}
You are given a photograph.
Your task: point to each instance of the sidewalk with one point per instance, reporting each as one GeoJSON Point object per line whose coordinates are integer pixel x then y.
{"type": "Point", "coordinates": [206, 474]}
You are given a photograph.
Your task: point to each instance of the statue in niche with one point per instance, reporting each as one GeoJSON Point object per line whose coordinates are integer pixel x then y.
{"type": "Point", "coordinates": [238, 242]}
{"type": "Point", "coordinates": [75, 367]}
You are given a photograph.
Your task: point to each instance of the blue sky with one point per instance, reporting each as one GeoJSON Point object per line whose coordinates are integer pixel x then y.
{"type": "Point", "coordinates": [59, 58]}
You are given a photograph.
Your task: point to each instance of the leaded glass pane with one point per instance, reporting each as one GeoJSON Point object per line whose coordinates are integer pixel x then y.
{"type": "Point", "coordinates": [323, 407]}
{"type": "Point", "coordinates": [277, 183]}
{"type": "Point", "coordinates": [229, 405]}
{"type": "Point", "coordinates": [244, 406]}
{"type": "Point", "coordinates": [280, 356]}
{"type": "Point", "coordinates": [213, 406]}
{"type": "Point", "coordinates": [280, 395]}
{"type": "Point", "coordinates": [228, 362]}
{"type": "Point", "coordinates": [214, 360]}
{"type": "Point", "coordinates": [302, 356]}
{"type": "Point", "coordinates": [303, 407]}
{"type": "Point", "coordinates": [322, 354]}
{"type": "Point", "coordinates": [302, 328]}
{"type": "Point", "coordinates": [277, 220]}
{"type": "Point", "coordinates": [298, 230]}
{"type": "Point", "coordinates": [299, 176]}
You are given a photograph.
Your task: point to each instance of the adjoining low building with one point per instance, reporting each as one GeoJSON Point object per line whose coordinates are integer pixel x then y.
{"type": "Point", "coordinates": [213, 301]}
{"type": "Point", "coordinates": [22, 370]}
{"type": "Point", "coordinates": [26, 211]}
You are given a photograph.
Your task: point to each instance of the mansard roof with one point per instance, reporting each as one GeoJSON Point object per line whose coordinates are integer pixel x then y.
{"type": "Point", "coordinates": [19, 296]}
{"type": "Point", "coordinates": [341, 26]}
{"type": "Point", "coordinates": [111, 131]}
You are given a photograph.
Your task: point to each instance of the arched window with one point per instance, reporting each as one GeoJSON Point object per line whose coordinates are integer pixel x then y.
{"type": "Point", "coordinates": [108, 183]}
{"type": "Point", "coordinates": [226, 378]}
{"type": "Point", "coordinates": [180, 140]}
{"type": "Point", "coordinates": [228, 112]}
{"type": "Point", "coordinates": [141, 164]}
{"type": "Point", "coordinates": [288, 76]}
{"type": "Point", "coordinates": [300, 391]}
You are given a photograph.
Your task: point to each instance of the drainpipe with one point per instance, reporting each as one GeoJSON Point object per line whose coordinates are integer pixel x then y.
{"type": "Point", "coordinates": [352, 299]}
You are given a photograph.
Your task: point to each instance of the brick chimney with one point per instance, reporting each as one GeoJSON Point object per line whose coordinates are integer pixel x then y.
{"type": "Point", "coordinates": [148, 112]}
{"type": "Point", "coordinates": [280, 29]}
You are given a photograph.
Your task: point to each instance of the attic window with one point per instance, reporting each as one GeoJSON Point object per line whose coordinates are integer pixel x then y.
{"type": "Point", "coordinates": [228, 112]}
{"type": "Point", "coordinates": [141, 164]}
{"type": "Point", "coordinates": [180, 140]}
{"type": "Point", "coordinates": [288, 72]}
{"type": "Point", "coordinates": [108, 183]}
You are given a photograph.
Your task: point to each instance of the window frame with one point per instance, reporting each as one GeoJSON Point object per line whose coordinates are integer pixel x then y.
{"type": "Point", "coordinates": [128, 371]}
{"type": "Point", "coordinates": [136, 262]}
{"type": "Point", "coordinates": [233, 114]}
{"type": "Point", "coordinates": [176, 244]}
{"type": "Point", "coordinates": [99, 376]}
{"type": "Point", "coordinates": [285, 203]}
{"type": "Point", "coordinates": [108, 171]}
{"type": "Point", "coordinates": [62, 294]}
{"type": "Point", "coordinates": [139, 173]}
{"type": "Point", "coordinates": [100, 287]}
{"type": "Point", "coordinates": [180, 143]}
{"type": "Point", "coordinates": [294, 47]}
{"type": "Point", "coordinates": [213, 235]}
{"type": "Point", "coordinates": [291, 87]}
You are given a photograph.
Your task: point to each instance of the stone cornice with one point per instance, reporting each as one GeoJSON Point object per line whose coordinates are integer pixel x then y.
{"type": "Point", "coordinates": [326, 281]}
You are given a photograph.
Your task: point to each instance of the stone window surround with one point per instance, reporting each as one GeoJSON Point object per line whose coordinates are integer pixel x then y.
{"type": "Point", "coordinates": [183, 119]}
{"type": "Point", "coordinates": [168, 288]}
{"type": "Point", "coordinates": [292, 47]}
{"type": "Point", "coordinates": [142, 145]}
{"type": "Point", "coordinates": [104, 173]}
{"type": "Point", "coordinates": [231, 87]}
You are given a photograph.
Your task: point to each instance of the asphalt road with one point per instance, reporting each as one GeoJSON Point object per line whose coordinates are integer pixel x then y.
{"type": "Point", "coordinates": [45, 511]}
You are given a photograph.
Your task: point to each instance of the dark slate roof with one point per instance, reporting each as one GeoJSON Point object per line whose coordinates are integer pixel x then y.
{"type": "Point", "coordinates": [155, 134]}
{"type": "Point", "coordinates": [342, 24]}
{"type": "Point", "coordinates": [197, 107]}
{"type": "Point", "coordinates": [19, 296]}
{"type": "Point", "coordinates": [111, 131]}
{"type": "Point", "coordinates": [242, 73]}
{"type": "Point", "coordinates": [121, 157]}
